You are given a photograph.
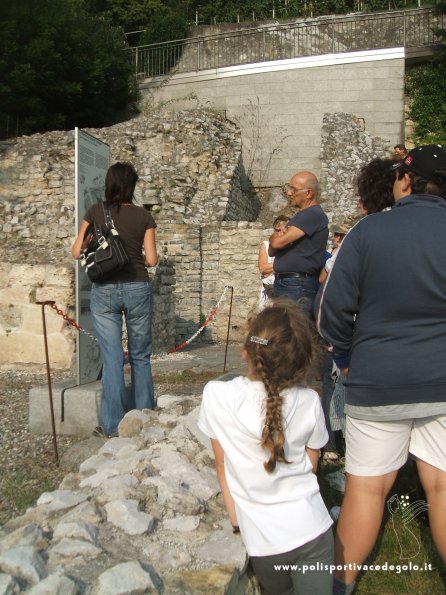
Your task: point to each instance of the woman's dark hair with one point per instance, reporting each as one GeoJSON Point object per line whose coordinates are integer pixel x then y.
{"type": "Point", "coordinates": [120, 182]}
{"type": "Point", "coordinates": [436, 185]}
{"type": "Point", "coordinates": [280, 363]}
{"type": "Point", "coordinates": [280, 219]}
{"type": "Point", "coordinates": [375, 185]}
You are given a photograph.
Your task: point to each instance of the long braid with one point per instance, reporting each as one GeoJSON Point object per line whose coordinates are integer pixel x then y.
{"type": "Point", "coordinates": [281, 355]}
{"type": "Point", "coordinates": [273, 437]}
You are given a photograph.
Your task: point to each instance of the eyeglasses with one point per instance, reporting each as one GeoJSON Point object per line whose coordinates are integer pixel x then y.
{"type": "Point", "coordinates": [291, 190]}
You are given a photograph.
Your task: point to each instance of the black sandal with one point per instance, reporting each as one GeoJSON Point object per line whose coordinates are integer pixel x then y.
{"type": "Point", "coordinates": [100, 432]}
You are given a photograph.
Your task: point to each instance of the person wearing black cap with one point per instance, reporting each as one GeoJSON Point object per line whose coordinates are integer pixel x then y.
{"type": "Point", "coordinates": [384, 312]}
{"type": "Point", "coordinates": [400, 151]}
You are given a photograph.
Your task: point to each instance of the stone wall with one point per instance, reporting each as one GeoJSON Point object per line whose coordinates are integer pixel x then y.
{"type": "Point", "coordinates": [206, 260]}
{"type": "Point", "coordinates": [21, 339]}
{"type": "Point", "coordinates": [191, 174]}
{"type": "Point", "coordinates": [346, 147]}
{"type": "Point", "coordinates": [190, 171]}
{"type": "Point", "coordinates": [205, 243]}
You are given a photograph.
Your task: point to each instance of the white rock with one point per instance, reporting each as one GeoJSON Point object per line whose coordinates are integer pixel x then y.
{"type": "Point", "coordinates": [95, 480]}
{"type": "Point", "coordinates": [180, 431]}
{"type": "Point", "coordinates": [132, 423]}
{"type": "Point", "coordinates": [164, 401]}
{"type": "Point", "coordinates": [125, 515]}
{"type": "Point", "coordinates": [73, 549]}
{"type": "Point", "coordinates": [171, 495]}
{"type": "Point", "coordinates": [183, 524]}
{"type": "Point", "coordinates": [175, 466]}
{"type": "Point", "coordinates": [190, 421]}
{"type": "Point", "coordinates": [114, 446]}
{"type": "Point", "coordinates": [55, 584]}
{"type": "Point", "coordinates": [60, 500]}
{"type": "Point", "coordinates": [8, 585]}
{"type": "Point", "coordinates": [223, 547]}
{"type": "Point", "coordinates": [152, 435]}
{"type": "Point", "coordinates": [79, 530]}
{"type": "Point", "coordinates": [23, 562]}
{"type": "Point", "coordinates": [121, 487]}
{"type": "Point", "coordinates": [29, 535]}
{"type": "Point", "coordinates": [128, 578]}
{"type": "Point", "coordinates": [86, 512]}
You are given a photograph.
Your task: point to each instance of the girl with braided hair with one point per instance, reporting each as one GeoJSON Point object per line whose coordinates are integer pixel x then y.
{"type": "Point", "coordinates": [266, 430]}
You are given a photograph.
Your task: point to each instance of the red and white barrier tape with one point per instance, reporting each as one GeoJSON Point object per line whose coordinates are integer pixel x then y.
{"type": "Point", "coordinates": [209, 318]}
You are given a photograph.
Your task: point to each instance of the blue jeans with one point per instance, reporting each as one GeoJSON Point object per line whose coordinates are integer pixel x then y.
{"type": "Point", "coordinates": [301, 289]}
{"type": "Point", "coordinates": [109, 301]}
{"type": "Point", "coordinates": [327, 392]}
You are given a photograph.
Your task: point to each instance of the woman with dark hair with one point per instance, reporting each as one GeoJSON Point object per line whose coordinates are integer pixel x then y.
{"type": "Point", "coordinates": [375, 186]}
{"type": "Point", "coordinates": [375, 189]}
{"type": "Point", "coordinates": [125, 293]}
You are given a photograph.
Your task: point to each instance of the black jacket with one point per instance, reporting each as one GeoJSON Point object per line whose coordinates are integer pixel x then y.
{"type": "Point", "coordinates": [383, 307]}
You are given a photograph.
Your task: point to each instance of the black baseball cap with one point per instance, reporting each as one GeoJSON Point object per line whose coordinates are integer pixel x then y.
{"type": "Point", "coordinates": [424, 161]}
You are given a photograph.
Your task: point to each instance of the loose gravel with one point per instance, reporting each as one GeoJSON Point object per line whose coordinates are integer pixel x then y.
{"type": "Point", "coordinates": [27, 461]}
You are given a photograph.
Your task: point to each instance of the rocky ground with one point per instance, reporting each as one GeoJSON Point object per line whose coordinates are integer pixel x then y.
{"type": "Point", "coordinates": [144, 507]}
{"type": "Point", "coordinates": [27, 461]}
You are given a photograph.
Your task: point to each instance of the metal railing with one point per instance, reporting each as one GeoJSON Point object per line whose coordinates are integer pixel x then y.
{"type": "Point", "coordinates": [325, 35]}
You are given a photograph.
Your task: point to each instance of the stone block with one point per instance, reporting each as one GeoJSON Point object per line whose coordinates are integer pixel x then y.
{"type": "Point", "coordinates": [16, 295]}
{"type": "Point", "coordinates": [76, 408]}
{"type": "Point", "coordinates": [24, 274]}
{"type": "Point", "coordinates": [24, 347]}
{"type": "Point", "coordinates": [32, 320]}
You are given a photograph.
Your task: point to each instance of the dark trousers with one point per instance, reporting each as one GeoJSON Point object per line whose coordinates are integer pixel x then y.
{"type": "Point", "coordinates": [310, 574]}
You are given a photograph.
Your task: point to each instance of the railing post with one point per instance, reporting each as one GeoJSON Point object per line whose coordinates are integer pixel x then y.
{"type": "Point", "coordinates": [156, 59]}
{"type": "Point", "coordinates": [404, 29]}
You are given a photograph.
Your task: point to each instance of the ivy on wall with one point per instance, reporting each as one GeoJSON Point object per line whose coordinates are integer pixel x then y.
{"type": "Point", "coordinates": [426, 86]}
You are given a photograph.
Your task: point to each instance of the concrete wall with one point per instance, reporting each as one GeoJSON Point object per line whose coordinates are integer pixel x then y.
{"type": "Point", "coordinates": [280, 105]}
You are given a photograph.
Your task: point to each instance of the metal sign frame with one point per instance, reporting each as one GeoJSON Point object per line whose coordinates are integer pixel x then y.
{"type": "Point", "coordinates": [92, 160]}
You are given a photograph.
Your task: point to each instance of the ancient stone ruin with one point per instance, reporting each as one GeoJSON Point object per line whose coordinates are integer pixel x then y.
{"type": "Point", "coordinates": [192, 175]}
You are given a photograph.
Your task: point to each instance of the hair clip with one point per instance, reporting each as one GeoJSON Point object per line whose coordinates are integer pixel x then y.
{"type": "Point", "coordinates": [259, 340]}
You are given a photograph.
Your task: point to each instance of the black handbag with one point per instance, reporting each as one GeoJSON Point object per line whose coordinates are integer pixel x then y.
{"type": "Point", "coordinates": [105, 254]}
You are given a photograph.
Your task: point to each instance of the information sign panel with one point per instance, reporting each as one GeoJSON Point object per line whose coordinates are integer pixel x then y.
{"type": "Point", "coordinates": [92, 159]}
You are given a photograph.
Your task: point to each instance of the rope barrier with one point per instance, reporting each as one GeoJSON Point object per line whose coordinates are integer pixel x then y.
{"type": "Point", "coordinates": [210, 316]}
{"type": "Point", "coordinates": [207, 321]}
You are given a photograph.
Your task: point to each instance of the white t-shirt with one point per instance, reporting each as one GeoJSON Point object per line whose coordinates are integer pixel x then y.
{"type": "Point", "coordinates": [280, 511]}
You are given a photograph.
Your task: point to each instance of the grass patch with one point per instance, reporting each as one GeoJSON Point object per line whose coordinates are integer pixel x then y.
{"type": "Point", "coordinates": [21, 488]}
{"type": "Point", "coordinates": [398, 543]}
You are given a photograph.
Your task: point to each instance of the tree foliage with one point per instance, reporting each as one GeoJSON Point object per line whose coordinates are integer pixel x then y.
{"type": "Point", "coordinates": [59, 67]}
{"type": "Point", "coordinates": [426, 86]}
{"type": "Point", "coordinates": [66, 62]}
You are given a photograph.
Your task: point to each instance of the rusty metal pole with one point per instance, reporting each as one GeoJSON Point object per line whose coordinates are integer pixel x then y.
{"type": "Point", "coordinates": [48, 375]}
{"type": "Point", "coordinates": [229, 326]}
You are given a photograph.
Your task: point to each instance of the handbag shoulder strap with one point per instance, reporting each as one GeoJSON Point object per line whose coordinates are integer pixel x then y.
{"type": "Point", "coordinates": [109, 222]}
{"type": "Point", "coordinates": [108, 219]}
